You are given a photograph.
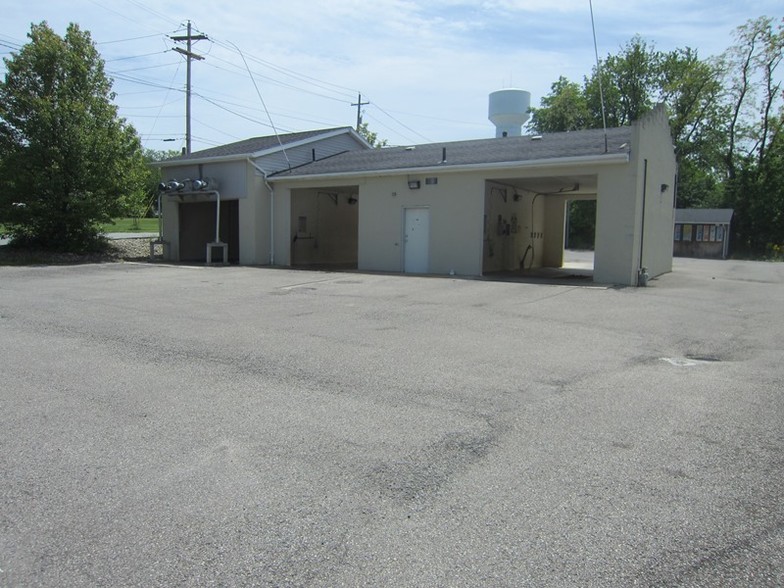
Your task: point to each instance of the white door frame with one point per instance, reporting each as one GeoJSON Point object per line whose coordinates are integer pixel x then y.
{"type": "Point", "coordinates": [411, 265]}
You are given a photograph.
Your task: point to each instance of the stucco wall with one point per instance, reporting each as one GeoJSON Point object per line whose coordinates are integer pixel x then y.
{"type": "Point", "coordinates": [553, 231]}
{"type": "Point", "coordinates": [623, 244]}
{"type": "Point", "coordinates": [653, 142]}
{"type": "Point", "coordinates": [455, 204]}
{"type": "Point", "coordinates": [617, 243]}
{"type": "Point", "coordinates": [254, 221]}
{"type": "Point", "coordinates": [231, 176]}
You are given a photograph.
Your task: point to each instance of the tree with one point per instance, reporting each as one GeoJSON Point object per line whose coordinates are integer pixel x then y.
{"type": "Point", "coordinates": [154, 177]}
{"type": "Point", "coordinates": [371, 137]}
{"type": "Point", "coordinates": [67, 161]}
{"type": "Point", "coordinates": [633, 81]}
{"type": "Point", "coordinates": [753, 125]}
{"type": "Point", "coordinates": [564, 109]}
{"type": "Point", "coordinates": [629, 84]}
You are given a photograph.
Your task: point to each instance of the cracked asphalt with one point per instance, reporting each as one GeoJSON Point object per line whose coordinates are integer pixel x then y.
{"type": "Point", "coordinates": [235, 426]}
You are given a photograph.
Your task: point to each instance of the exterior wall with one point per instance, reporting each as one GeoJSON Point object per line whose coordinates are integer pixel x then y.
{"type": "Point", "coordinates": [238, 180]}
{"type": "Point", "coordinates": [231, 177]}
{"type": "Point", "coordinates": [653, 143]}
{"type": "Point", "coordinates": [233, 184]}
{"type": "Point", "coordinates": [171, 227]}
{"type": "Point", "coordinates": [282, 226]}
{"type": "Point", "coordinates": [623, 243]}
{"type": "Point", "coordinates": [456, 210]}
{"type": "Point", "coordinates": [254, 221]}
{"type": "Point", "coordinates": [617, 244]}
{"type": "Point", "coordinates": [456, 205]}
{"type": "Point", "coordinates": [554, 231]}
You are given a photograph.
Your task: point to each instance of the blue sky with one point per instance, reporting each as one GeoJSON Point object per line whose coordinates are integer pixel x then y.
{"type": "Point", "coordinates": [426, 66]}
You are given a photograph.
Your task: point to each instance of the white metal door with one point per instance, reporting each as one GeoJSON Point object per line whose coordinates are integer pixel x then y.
{"type": "Point", "coordinates": [416, 241]}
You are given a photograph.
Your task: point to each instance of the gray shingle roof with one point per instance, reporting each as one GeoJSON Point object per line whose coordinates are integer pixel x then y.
{"type": "Point", "coordinates": [703, 215]}
{"type": "Point", "coordinates": [248, 147]}
{"type": "Point", "coordinates": [476, 152]}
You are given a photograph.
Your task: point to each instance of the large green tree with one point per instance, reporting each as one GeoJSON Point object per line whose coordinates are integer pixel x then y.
{"type": "Point", "coordinates": [564, 109]}
{"type": "Point", "coordinates": [753, 121]}
{"type": "Point", "coordinates": [67, 161]}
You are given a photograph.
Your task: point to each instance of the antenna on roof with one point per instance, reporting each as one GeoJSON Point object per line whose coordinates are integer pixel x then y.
{"type": "Point", "coordinates": [264, 104]}
{"type": "Point", "coordinates": [599, 73]}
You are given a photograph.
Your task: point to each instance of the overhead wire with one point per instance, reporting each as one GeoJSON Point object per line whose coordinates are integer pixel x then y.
{"type": "Point", "coordinates": [165, 98]}
{"type": "Point", "coordinates": [126, 40]}
{"type": "Point", "coordinates": [264, 104]}
{"type": "Point", "coordinates": [135, 56]}
{"type": "Point", "coordinates": [298, 81]}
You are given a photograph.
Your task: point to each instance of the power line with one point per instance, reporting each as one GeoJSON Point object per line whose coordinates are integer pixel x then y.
{"type": "Point", "coordinates": [125, 40]}
{"type": "Point", "coordinates": [323, 84]}
{"type": "Point", "coordinates": [401, 124]}
{"type": "Point", "coordinates": [134, 56]}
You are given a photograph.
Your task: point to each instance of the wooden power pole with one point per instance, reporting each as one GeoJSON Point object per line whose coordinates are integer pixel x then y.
{"type": "Point", "coordinates": [359, 104]}
{"type": "Point", "coordinates": [189, 56]}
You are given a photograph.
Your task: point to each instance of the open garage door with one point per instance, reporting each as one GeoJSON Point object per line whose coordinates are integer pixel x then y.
{"type": "Point", "coordinates": [197, 228]}
{"type": "Point", "coordinates": [525, 223]}
{"type": "Point", "coordinates": [325, 227]}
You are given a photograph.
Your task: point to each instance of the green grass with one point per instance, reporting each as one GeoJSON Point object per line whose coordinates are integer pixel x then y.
{"type": "Point", "coordinates": [132, 225]}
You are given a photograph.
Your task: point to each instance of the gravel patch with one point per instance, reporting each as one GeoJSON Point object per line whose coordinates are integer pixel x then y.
{"type": "Point", "coordinates": [117, 251]}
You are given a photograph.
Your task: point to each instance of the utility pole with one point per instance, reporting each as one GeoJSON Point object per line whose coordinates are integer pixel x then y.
{"type": "Point", "coordinates": [359, 104]}
{"type": "Point", "coordinates": [189, 56]}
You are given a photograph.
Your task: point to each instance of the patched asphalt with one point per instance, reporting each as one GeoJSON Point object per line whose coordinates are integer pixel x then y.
{"type": "Point", "coordinates": [230, 426]}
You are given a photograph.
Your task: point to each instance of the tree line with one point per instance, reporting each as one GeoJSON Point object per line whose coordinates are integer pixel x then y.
{"type": "Point", "coordinates": [69, 163]}
{"type": "Point", "coordinates": [726, 115]}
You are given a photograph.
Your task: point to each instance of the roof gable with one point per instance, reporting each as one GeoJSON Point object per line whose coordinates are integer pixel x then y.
{"type": "Point", "coordinates": [257, 146]}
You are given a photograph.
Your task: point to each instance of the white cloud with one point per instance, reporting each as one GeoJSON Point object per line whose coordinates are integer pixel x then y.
{"type": "Point", "coordinates": [428, 63]}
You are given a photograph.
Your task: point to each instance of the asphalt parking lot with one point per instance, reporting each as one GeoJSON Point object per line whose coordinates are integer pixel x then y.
{"type": "Point", "coordinates": [234, 426]}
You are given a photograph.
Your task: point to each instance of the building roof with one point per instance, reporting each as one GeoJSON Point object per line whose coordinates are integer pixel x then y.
{"type": "Point", "coordinates": [703, 215]}
{"type": "Point", "coordinates": [255, 145]}
{"type": "Point", "coordinates": [588, 143]}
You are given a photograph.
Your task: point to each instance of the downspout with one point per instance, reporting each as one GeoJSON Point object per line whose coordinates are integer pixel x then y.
{"type": "Point", "coordinates": [160, 219]}
{"type": "Point", "coordinates": [642, 272]}
{"type": "Point", "coordinates": [271, 211]}
{"type": "Point", "coordinates": [217, 214]}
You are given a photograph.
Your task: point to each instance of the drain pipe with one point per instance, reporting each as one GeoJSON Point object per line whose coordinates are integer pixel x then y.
{"type": "Point", "coordinates": [642, 272]}
{"type": "Point", "coordinates": [217, 214]}
{"type": "Point", "coordinates": [271, 211]}
{"type": "Point", "coordinates": [217, 243]}
{"type": "Point", "coordinates": [160, 219]}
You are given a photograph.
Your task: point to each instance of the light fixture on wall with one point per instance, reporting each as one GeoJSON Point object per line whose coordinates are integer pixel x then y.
{"type": "Point", "coordinates": [664, 188]}
{"type": "Point", "coordinates": [414, 184]}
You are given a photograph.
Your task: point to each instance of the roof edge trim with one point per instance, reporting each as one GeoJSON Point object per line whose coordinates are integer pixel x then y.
{"type": "Point", "coordinates": [603, 159]}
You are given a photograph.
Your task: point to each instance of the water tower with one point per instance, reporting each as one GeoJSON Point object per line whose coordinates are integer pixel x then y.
{"type": "Point", "coordinates": [508, 111]}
